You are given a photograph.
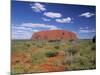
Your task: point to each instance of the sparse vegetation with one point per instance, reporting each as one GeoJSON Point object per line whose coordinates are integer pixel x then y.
{"type": "Point", "coordinates": [43, 56]}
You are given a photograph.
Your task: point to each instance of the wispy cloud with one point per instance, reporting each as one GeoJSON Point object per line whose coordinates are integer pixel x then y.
{"type": "Point", "coordinates": [52, 14]}
{"type": "Point", "coordinates": [64, 20]}
{"type": "Point", "coordinates": [86, 30]}
{"type": "Point", "coordinates": [20, 28]}
{"type": "Point", "coordinates": [25, 30]}
{"type": "Point", "coordinates": [45, 19]}
{"type": "Point", "coordinates": [54, 28]}
{"type": "Point", "coordinates": [21, 35]}
{"type": "Point", "coordinates": [38, 7]}
{"type": "Point", "coordinates": [87, 14]}
{"type": "Point", "coordinates": [39, 25]}
{"type": "Point", "coordinates": [22, 32]}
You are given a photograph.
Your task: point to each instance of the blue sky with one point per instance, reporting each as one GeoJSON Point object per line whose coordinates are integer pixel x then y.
{"type": "Point", "coordinates": [30, 17]}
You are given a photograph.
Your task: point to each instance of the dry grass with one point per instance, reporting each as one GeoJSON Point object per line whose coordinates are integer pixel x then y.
{"type": "Point", "coordinates": [43, 56]}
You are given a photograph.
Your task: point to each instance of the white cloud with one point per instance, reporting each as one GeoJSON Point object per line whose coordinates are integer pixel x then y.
{"type": "Point", "coordinates": [22, 32]}
{"type": "Point", "coordinates": [39, 25]}
{"type": "Point", "coordinates": [54, 28]}
{"type": "Point", "coordinates": [38, 7]}
{"type": "Point", "coordinates": [64, 20]}
{"type": "Point", "coordinates": [21, 35]}
{"type": "Point", "coordinates": [86, 31]}
{"type": "Point", "coordinates": [35, 30]}
{"type": "Point", "coordinates": [87, 14]}
{"type": "Point", "coordinates": [80, 28]}
{"type": "Point", "coordinates": [84, 28]}
{"type": "Point", "coordinates": [52, 14]}
{"type": "Point", "coordinates": [20, 28]}
{"type": "Point", "coordinates": [45, 19]}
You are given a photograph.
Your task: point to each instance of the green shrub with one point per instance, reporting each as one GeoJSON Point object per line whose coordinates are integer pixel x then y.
{"type": "Point", "coordinates": [28, 45]}
{"type": "Point", "coordinates": [72, 51]}
{"type": "Point", "coordinates": [56, 47]}
{"type": "Point", "coordinates": [51, 54]}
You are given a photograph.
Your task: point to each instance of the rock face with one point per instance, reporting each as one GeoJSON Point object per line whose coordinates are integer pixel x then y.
{"type": "Point", "coordinates": [54, 35]}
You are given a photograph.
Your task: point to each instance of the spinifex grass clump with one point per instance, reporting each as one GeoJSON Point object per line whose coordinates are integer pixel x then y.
{"type": "Point", "coordinates": [51, 53]}
{"type": "Point", "coordinates": [56, 47]}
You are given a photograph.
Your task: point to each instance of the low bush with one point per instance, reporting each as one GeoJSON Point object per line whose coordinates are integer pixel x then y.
{"type": "Point", "coordinates": [51, 54]}
{"type": "Point", "coordinates": [28, 45]}
{"type": "Point", "coordinates": [56, 47]}
{"type": "Point", "coordinates": [72, 51]}
{"type": "Point", "coordinates": [39, 46]}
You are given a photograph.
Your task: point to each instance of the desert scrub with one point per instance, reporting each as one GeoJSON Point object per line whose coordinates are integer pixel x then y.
{"type": "Point", "coordinates": [39, 46]}
{"type": "Point", "coordinates": [17, 68]}
{"type": "Point", "coordinates": [38, 57]}
{"type": "Point", "coordinates": [56, 47]}
{"type": "Point", "coordinates": [51, 54]}
{"type": "Point", "coordinates": [81, 63]}
{"type": "Point", "coordinates": [72, 51]}
{"type": "Point", "coordinates": [27, 44]}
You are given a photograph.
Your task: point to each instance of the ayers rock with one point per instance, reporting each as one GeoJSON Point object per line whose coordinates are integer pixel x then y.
{"type": "Point", "coordinates": [54, 35]}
